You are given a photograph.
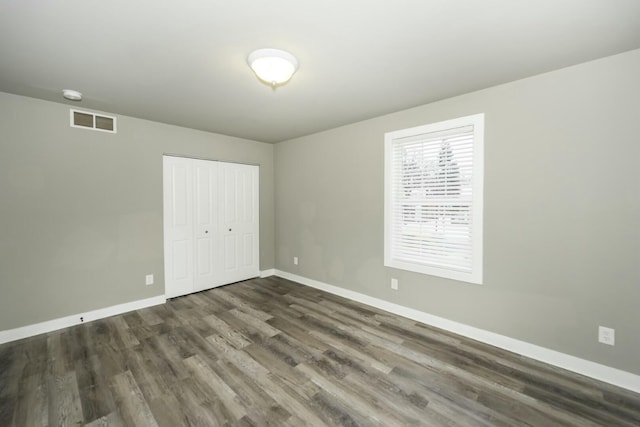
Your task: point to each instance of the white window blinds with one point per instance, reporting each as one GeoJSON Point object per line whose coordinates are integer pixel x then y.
{"type": "Point", "coordinates": [433, 199]}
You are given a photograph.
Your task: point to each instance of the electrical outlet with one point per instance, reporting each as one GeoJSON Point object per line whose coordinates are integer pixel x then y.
{"type": "Point", "coordinates": [295, 260]}
{"type": "Point", "coordinates": [394, 284]}
{"type": "Point", "coordinates": [606, 335]}
{"type": "Point", "coordinates": [148, 279]}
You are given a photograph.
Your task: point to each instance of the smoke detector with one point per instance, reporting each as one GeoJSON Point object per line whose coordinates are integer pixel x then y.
{"type": "Point", "coordinates": [72, 95]}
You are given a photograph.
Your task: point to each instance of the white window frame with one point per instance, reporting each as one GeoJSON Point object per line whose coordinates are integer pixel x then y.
{"type": "Point", "coordinates": [474, 274]}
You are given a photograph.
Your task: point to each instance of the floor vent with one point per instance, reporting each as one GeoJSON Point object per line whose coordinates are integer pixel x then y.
{"type": "Point", "coordinates": [87, 120]}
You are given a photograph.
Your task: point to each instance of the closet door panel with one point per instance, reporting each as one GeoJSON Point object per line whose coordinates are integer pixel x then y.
{"type": "Point", "coordinates": [178, 226]}
{"type": "Point", "coordinates": [239, 227]}
{"type": "Point", "coordinates": [205, 230]}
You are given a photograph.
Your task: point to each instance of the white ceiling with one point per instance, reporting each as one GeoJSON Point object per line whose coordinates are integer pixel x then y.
{"type": "Point", "coordinates": [184, 62]}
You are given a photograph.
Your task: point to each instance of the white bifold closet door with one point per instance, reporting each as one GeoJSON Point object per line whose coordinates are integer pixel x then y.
{"type": "Point", "coordinates": [210, 224]}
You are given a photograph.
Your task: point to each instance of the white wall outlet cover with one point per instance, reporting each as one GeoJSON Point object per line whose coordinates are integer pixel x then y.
{"type": "Point", "coordinates": [606, 335]}
{"type": "Point", "coordinates": [295, 260]}
{"type": "Point", "coordinates": [394, 284]}
{"type": "Point", "coordinates": [148, 279]}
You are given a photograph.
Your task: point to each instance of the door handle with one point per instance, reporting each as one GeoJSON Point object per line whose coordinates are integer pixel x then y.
{"type": "Point", "coordinates": [206, 231]}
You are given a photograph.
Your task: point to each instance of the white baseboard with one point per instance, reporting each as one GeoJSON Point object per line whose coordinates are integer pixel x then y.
{"type": "Point", "coordinates": [65, 322]}
{"type": "Point", "coordinates": [267, 273]}
{"type": "Point", "coordinates": [594, 370]}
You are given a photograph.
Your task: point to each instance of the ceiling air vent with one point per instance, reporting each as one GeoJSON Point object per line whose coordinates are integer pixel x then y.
{"type": "Point", "coordinates": [87, 120]}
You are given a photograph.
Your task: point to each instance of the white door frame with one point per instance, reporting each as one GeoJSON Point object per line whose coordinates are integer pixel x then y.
{"type": "Point", "coordinates": [204, 218]}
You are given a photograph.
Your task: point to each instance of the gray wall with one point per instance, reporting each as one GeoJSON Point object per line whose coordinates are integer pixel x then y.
{"type": "Point", "coordinates": [81, 211]}
{"type": "Point", "coordinates": [562, 211]}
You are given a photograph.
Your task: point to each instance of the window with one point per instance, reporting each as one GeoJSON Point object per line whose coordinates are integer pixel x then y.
{"type": "Point", "coordinates": [433, 199]}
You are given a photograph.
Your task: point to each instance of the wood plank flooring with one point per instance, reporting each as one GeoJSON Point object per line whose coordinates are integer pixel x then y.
{"type": "Point", "coordinates": [270, 352]}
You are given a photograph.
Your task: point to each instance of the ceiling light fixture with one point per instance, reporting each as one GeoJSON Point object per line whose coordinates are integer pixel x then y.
{"type": "Point", "coordinates": [273, 66]}
{"type": "Point", "coordinates": [72, 95]}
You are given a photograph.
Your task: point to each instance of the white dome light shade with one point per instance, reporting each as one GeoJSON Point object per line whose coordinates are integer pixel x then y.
{"type": "Point", "coordinates": [273, 66]}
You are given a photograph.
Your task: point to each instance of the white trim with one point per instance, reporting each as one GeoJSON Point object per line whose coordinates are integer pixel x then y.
{"type": "Point", "coordinates": [594, 370]}
{"type": "Point", "coordinates": [65, 322]}
{"type": "Point", "coordinates": [267, 273]}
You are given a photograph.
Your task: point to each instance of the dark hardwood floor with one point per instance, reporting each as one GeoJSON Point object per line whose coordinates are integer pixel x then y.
{"type": "Point", "coordinates": [272, 352]}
